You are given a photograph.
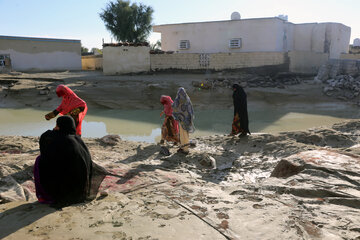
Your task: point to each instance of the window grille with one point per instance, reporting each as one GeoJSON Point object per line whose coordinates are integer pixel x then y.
{"type": "Point", "coordinates": [184, 44]}
{"type": "Point", "coordinates": [4, 60]}
{"type": "Point", "coordinates": [235, 43]}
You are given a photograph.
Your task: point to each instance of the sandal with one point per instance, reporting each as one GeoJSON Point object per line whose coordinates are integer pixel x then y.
{"type": "Point", "coordinates": [243, 135]}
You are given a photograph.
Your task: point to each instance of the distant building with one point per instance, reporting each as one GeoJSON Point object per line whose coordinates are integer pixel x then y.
{"type": "Point", "coordinates": [255, 35]}
{"type": "Point", "coordinates": [356, 42]}
{"type": "Point", "coordinates": [40, 54]}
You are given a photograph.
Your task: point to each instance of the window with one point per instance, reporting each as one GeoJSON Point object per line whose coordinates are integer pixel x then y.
{"type": "Point", "coordinates": [235, 43]}
{"type": "Point", "coordinates": [2, 60]}
{"type": "Point", "coordinates": [5, 60]}
{"type": "Point", "coordinates": [184, 44]}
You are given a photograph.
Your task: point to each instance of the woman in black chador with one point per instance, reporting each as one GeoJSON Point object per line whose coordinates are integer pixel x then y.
{"type": "Point", "coordinates": [64, 168]}
{"type": "Point", "coordinates": [241, 121]}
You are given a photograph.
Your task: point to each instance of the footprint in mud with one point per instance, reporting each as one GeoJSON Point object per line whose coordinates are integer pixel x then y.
{"type": "Point", "coordinates": [119, 235]}
{"type": "Point", "coordinates": [224, 224]}
{"type": "Point", "coordinates": [117, 224]}
{"type": "Point", "coordinates": [258, 206]}
{"type": "Point", "coordinates": [222, 215]}
{"type": "Point", "coordinates": [147, 238]}
{"type": "Point", "coordinates": [41, 231]}
{"type": "Point", "coordinates": [97, 224]}
{"type": "Point", "coordinates": [202, 211]}
{"type": "Point", "coordinates": [64, 217]}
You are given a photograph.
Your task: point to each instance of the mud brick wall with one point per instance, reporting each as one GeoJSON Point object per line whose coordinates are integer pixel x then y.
{"type": "Point", "coordinates": [217, 61]}
{"type": "Point", "coordinates": [246, 60]}
{"type": "Point", "coordinates": [186, 61]}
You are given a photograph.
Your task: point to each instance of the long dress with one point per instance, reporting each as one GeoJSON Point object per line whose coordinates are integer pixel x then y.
{"type": "Point", "coordinates": [184, 113]}
{"type": "Point", "coordinates": [72, 105]}
{"type": "Point", "coordinates": [241, 121]}
{"type": "Point", "coordinates": [64, 168]}
{"type": "Point", "coordinates": [170, 127]}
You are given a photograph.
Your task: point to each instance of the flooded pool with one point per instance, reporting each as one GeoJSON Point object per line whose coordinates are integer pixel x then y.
{"type": "Point", "coordinates": [145, 125]}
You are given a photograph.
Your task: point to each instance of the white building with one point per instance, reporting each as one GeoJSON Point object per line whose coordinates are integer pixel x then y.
{"type": "Point", "coordinates": [255, 35]}
{"type": "Point", "coordinates": [356, 42]}
{"type": "Point", "coordinates": [41, 54]}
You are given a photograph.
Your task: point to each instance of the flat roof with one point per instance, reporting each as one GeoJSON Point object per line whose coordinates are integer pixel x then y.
{"type": "Point", "coordinates": [246, 19]}
{"type": "Point", "coordinates": [38, 39]}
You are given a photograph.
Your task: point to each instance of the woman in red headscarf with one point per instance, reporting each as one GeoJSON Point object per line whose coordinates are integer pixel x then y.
{"type": "Point", "coordinates": [71, 105]}
{"type": "Point", "coordinates": [170, 127]}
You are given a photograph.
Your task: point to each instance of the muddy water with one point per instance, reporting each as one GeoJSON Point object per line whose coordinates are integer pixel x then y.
{"type": "Point", "coordinates": [144, 125]}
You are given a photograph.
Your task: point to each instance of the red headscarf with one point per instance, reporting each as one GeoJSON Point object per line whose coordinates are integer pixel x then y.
{"type": "Point", "coordinates": [69, 102]}
{"type": "Point", "coordinates": [167, 101]}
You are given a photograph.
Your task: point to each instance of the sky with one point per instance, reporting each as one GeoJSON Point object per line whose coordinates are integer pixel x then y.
{"type": "Point", "coordinates": [79, 19]}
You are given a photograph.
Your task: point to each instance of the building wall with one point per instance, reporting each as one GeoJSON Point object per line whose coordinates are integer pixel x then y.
{"type": "Point", "coordinates": [288, 37]}
{"type": "Point", "coordinates": [258, 35]}
{"type": "Point", "coordinates": [339, 39]}
{"type": "Point", "coordinates": [306, 62]}
{"type": "Point", "coordinates": [216, 61]}
{"type": "Point", "coordinates": [309, 37]}
{"type": "Point", "coordinates": [350, 56]}
{"type": "Point", "coordinates": [41, 54]}
{"type": "Point", "coordinates": [92, 62]}
{"type": "Point", "coordinates": [332, 38]}
{"type": "Point", "coordinates": [125, 59]}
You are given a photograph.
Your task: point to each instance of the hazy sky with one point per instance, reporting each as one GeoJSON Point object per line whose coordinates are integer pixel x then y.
{"type": "Point", "coordinates": [79, 19]}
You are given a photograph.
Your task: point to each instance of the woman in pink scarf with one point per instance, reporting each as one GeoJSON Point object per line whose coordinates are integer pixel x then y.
{"type": "Point", "coordinates": [71, 105]}
{"type": "Point", "coordinates": [170, 127]}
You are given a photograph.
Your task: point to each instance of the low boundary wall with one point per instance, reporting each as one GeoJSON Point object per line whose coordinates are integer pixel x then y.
{"type": "Point", "coordinates": [216, 61]}
{"type": "Point", "coordinates": [92, 62]}
{"type": "Point", "coordinates": [127, 59]}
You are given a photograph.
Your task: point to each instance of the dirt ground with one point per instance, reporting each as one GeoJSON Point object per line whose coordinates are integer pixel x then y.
{"type": "Point", "coordinates": [221, 190]}
{"type": "Point", "coordinates": [143, 91]}
{"type": "Point", "coordinates": [291, 185]}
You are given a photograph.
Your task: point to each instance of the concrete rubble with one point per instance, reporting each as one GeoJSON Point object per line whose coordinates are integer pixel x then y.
{"type": "Point", "coordinates": [279, 80]}
{"type": "Point", "coordinates": [341, 79]}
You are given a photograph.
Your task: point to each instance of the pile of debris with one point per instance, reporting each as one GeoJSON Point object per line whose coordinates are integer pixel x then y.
{"type": "Point", "coordinates": [341, 79]}
{"type": "Point", "coordinates": [343, 87]}
{"type": "Point", "coordinates": [280, 80]}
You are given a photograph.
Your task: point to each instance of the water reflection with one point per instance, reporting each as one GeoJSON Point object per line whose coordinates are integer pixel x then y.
{"type": "Point", "coordinates": [144, 125]}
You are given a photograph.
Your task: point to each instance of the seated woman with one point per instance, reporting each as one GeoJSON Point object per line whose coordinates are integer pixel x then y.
{"type": "Point", "coordinates": [63, 170]}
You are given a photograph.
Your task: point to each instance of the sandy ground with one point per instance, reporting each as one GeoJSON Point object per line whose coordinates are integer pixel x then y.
{"type": "Point", "coordinates": [292, 185]}
{"type": "Point", "coordinates": [221, 190]}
